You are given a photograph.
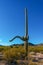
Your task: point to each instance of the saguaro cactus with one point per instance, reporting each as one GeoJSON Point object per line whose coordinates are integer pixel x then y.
{"type": "Point", "coordinates": [26, 32]}
{"type": "Point", "coordinates": [24, 38]}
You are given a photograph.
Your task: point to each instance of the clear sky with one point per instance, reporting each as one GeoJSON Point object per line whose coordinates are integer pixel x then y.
{"type": "Point", "coordinates": [12, 20]}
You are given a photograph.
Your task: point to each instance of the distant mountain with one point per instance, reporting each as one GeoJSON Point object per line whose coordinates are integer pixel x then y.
{"type": "Point", "coordinates": [22, 44]}
{"type": "Point", "coordinates": [40, 44]}
{"type": "Point", "coordinates": [0, 45]}
{"type": "Point", "coordinates": [31, 44]}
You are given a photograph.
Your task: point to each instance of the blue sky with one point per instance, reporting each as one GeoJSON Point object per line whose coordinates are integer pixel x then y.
{"type": "Point", "coordinates": [12, 20]}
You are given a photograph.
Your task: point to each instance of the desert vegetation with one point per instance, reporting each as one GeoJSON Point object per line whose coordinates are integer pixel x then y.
{"type": "Point", "coordinates": [17, 53]}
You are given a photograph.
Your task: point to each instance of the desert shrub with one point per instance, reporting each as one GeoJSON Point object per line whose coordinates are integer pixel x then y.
{"type": "Point", "coordinates": [14, 53]}
{"type": "Point", "coordinates": [32, 63]}
{"type": "Point", "coordinates": [36, 49]}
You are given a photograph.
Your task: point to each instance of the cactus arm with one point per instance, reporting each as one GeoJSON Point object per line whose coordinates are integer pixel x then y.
{"type": "Point", "coordinates": [22, 38]}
